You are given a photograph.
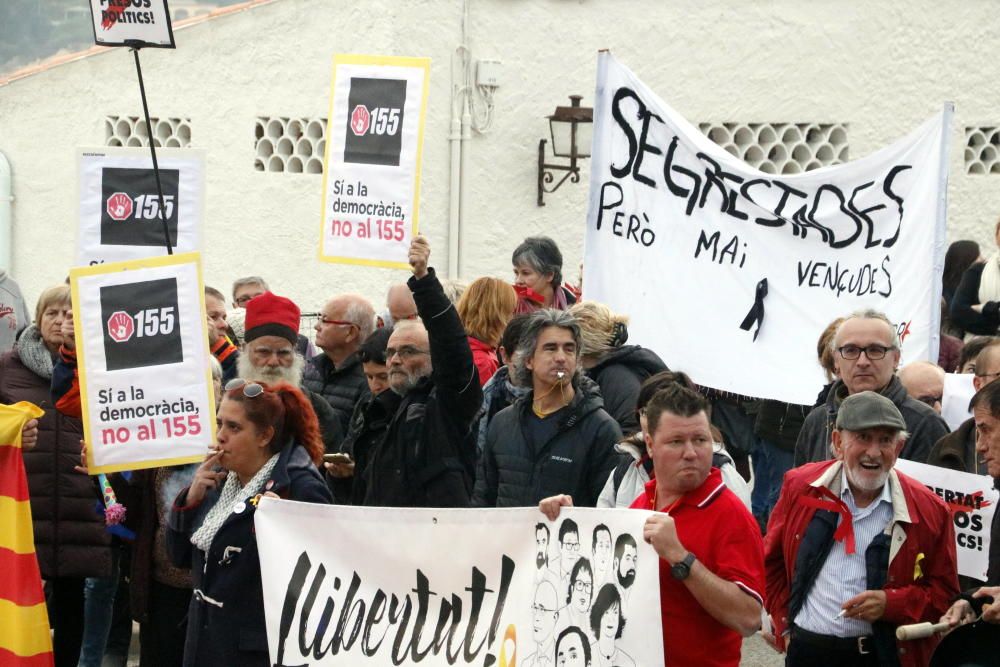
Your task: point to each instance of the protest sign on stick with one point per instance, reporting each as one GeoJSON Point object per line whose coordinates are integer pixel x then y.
{"type": "Point", "coordinates": [119, 205]}
{"type": "Point", "coordinates": [456, 587]}
{"type": "Point", "coordinates": [135, 23]}
{"type": "Point", "coordinates": [371, 173]}
{"type": "Point", "coordinates": [730, 273]}
{"type": "Point", "coordinates": [142, 351]}
{"type": "Point", "coordinates": [972, 501]}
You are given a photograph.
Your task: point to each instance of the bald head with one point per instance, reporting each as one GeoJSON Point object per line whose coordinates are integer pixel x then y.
{"type": "Point", "coordinates": [408, 356]}
{"type": "Point", "coordinates": [400, 304]}
{"type": "Point", "coordinates": [924, 381]}
{"type": "Point", "coordinates": [987, 365]}
{"type": "Point", "coordinates": [345, 322]}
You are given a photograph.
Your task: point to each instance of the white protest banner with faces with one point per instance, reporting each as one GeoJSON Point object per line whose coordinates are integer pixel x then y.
{"type": "Point", "coordinates": [142, 352]}
{"type": "Point", "coordinates": [730, 273]}
{"type": "Point", "coordinates": [371, 175]}
{"type": "Point", "coordinates": [972, 501]}
{"type": "Point", "coordinates": [389, 586]}
{"type": "Point", "coordinates": [132, 23]}
{"type": "Point", "coordinates": [120, 207]}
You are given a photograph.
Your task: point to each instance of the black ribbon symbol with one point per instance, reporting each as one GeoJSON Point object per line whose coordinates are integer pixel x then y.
{"type": "Point", "coordinates": [756, 313]}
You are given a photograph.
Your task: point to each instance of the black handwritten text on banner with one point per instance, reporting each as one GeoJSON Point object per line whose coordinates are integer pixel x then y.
{"type": "Point", "coordinates": [701, 231]}
{"type": "Point", "coordinates": [455, 587]}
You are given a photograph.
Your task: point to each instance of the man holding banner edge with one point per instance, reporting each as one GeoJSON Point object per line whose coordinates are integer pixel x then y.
{"type": "Point", "coordinates": [711, 555]}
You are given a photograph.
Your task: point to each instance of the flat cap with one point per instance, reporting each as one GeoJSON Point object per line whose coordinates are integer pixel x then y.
{"type": "Point", "coordinates": [869, 410]}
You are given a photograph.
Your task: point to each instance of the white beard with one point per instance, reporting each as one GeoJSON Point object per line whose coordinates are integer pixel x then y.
{"type": "Point", "coordinates": [292, 375]}
{"type": "Point", "coordinates": [866, 484]}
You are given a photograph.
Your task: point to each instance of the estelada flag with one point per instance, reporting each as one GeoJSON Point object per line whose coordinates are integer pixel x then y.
{"type": "Point", "coordinates": [24, 623]}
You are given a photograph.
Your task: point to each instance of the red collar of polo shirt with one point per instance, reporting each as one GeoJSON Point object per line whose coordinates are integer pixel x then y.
{"type": "Point", "coordinates": [700, 497]}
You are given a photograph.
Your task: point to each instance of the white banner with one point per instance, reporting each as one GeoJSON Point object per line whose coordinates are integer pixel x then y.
{"type": "Point", "coordinates": [142, 350]}
{"type": "Point", "coordinates": [132, 23]}
{"type": "Point", "coordinates": [958, 392]}
{"type": "Point", "coordinates": [371, 174]}
{"type": "Point", "coordinates": [972, 500]}
{"type": "Point", "coordinates": [389, 586]}
{"type": "Point", "coordinates": [119, 216]}
{"type": "Point", "coordinates": [693, 244]}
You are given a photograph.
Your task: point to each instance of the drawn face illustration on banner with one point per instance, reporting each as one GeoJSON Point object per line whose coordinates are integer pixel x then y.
{"type": "Point", "coordinates": [572, 648]}
{"type": "Point", "coordinates": [625, 558]}
{"type": "Point", "coordinates": [544, 616]}
{"type": "Point", "coordinates": [130, 211]}
{"type": "Point", "coordinates": [607, 623]}
{"type": "Point", "coordinates": [581, 587]}
{"type": "Point", "coordinates": [141, 325]}
{"type": "Point", "coordinates": [602, 554]}
{"type": "Point", "coordinates": [375, 125]}
{"type": "Point", "coordinates": [569, 547]}
{"type": "Point", "coordinates": [541, 546]}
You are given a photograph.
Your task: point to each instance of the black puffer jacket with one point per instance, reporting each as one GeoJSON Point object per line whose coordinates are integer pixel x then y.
{"type": "Point", "coordinates": [925, 426]}
{"type": "Point", "coordinates": [342, 386]}
{"type": "Point", "coordinates": [329, 422]}
{"type": "Point", "coordinates": [427, 458]}
{"type": "Point", "coordinates": [576, 461]}
{"type": "Point", "coordinates": [620, 374]}
{"type": "Point", "coordinates": [70, 539]}
{"type": "Point", "coordinates": [368, 426]}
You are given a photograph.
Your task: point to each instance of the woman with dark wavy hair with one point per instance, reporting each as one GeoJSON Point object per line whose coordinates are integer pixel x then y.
{"type": "Point", "coordinates": [267, 442]}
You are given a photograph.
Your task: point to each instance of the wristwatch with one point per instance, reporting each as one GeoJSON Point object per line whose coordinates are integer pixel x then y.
{"type": "Point", "coordinates": [682, 568]}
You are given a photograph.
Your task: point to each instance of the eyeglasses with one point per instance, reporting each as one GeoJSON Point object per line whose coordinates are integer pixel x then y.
{"type": "Point", "coordinates": [404, 352]}
{"type": "Point", "coordinates": [930, 400]}
{"type": "Point", "coordinates": [250, 389]}
{"type": "Point", "coordinates": [583, 586]}
{"type": "Point", "coordinates": [337, 322]}
{"type": "Point", "coordinates": [572, 546]}
{"type": "Point", "coordinates": [873, 352]}
{"type": "Point", "coordinates": [245, 298]}
{"type": "Point", "coordinates": [539, 609]}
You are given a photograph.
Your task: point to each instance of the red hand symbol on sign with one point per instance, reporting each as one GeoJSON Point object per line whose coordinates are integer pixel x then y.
{"type": "Point", "coordinates": [119, 206]}
{"type": "Point", "coordinates": [120, 326]}
{"type": "Point", "coordinates": [360, 119]}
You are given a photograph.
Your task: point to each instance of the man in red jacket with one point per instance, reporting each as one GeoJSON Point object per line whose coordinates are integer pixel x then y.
{"type": "Point", "coordinates": [855, 548]}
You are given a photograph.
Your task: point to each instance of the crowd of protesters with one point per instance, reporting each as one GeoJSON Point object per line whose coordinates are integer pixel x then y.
{"type": "Point", "coordinates": [526, 394]}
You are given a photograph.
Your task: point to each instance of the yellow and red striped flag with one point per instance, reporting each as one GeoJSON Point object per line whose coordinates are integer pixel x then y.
{"type": "Point", "coordinates": [24, 623]}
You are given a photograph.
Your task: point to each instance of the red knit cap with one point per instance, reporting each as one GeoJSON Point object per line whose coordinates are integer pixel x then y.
{"type": "Point", "coordinates": [271, 315]}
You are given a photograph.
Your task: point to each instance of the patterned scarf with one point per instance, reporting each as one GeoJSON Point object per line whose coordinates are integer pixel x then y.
{"type": "Point", "coordinates": [33, 353]}
{"type": "Point", "coordinates": [230, 495]}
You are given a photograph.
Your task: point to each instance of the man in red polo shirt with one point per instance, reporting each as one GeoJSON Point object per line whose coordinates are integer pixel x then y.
{"type": "Point", "coordinates": [711, 553]}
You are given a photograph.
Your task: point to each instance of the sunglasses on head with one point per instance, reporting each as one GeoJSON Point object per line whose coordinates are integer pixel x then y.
{"type": "Point", "coordinates": [250, 389]}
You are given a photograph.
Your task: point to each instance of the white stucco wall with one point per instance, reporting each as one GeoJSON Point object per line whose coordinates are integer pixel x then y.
{"type": "Point", "coordinates": [881, 69]}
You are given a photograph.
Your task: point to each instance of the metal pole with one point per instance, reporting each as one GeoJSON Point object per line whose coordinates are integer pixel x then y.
{"type": "Point", "coordinates": [152, 150]}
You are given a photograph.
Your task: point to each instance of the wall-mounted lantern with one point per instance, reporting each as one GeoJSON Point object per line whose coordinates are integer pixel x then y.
{"type": "Point", "coordinates": [572, 129]}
